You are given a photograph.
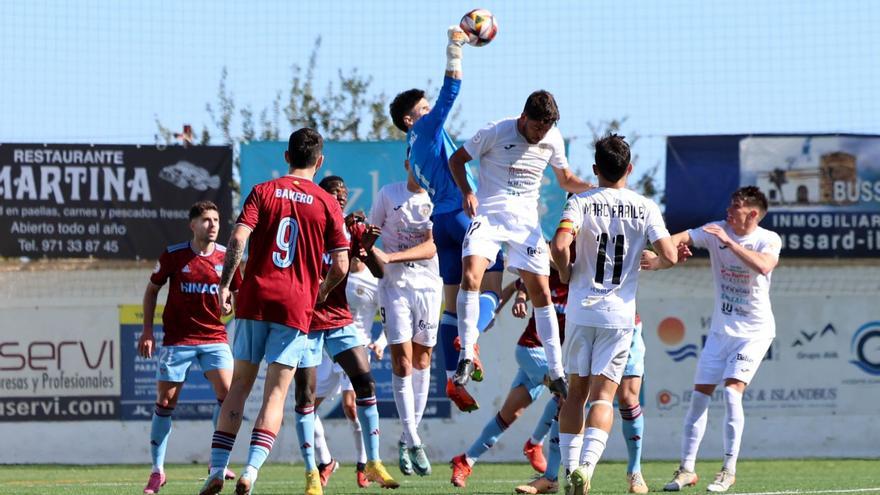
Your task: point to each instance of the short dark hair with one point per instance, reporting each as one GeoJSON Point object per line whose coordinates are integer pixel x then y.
{"type": "Point", "coordinates": [402, 104]}
{"type": "Point", "coordinates": [304, 147]}
{"type": "Point", "coordinates": [751, 196]}
{"type": "Point", "coordinates": [541, 106]}
{"type": "Point", "coordinates": [612, 157]}
{"type": "Point", "coordinates": [328, 182]}
{"type": "Point", "coordinates": [199, 207]}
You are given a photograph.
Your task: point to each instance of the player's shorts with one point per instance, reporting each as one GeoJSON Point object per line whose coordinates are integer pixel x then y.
{"type": "Point", "coordinates": [532, 363]}
{"type": "Point", "coordinates": [449, 230]}
{"type": "Point", "coordinates": [596, 351]}
{"type": "Point", "coordinates": [331, 379]}
{"type": "Point", "coordinates": [526, 247]}
{"type": "Point", "coordinates": [725, 357]}
{"type": "Point", "coordinates": [410, 314]}
{"type": "Point", "coordinates": [256, 341]}
{"type": "Point", "coordinates": [175, 360]}
{"type": "Point", "coordinates": [635, 363]}
{"type": "Point", "coordinates": [341, 339]}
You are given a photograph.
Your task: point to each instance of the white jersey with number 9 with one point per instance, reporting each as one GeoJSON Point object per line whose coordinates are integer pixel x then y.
{"type": "Point", "coordinates": [612, 227]}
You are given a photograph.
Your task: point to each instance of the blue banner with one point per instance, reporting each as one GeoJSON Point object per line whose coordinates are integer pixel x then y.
{"type": "Point", "coordinates": [824, 191]}
{"type": "Point", "coordinates": [197, 399]}
{"type": "Point", "coordinates": [366, 166]}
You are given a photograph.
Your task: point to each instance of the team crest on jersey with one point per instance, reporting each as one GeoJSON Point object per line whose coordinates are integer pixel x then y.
{"type": "Point", "coordinates": [157, 267]}
{"type": "Point", "coordinates": [218, 269]}
{"type": "Point", "coordinates": [425, 210]}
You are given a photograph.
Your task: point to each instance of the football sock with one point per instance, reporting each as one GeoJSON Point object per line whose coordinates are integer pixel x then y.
{"type": "Point", "coordinates": [468, 306]}
{"type": "Point", "coordinates": [694, 427]}
{"type": "Point", "coordinates": [358, 434]}
{"type": "Point", "coordinates": [490, 434]}
{"type": "Point", "coordinates": [595, 440]}
{"type": "Point", "coordinates": [544, 422]}
{"type": "Point", "coordinates": [633, 427]}
{"type": "Point", "coordinates": [553, 455]}
{"type": "Point", "coordinates": [734, 422]}
{"type": "Point", "coordinates": [570, 450]}
{"type": "Point", "coordinates": [448, 332]}
{"type": "Point", "coordinates": [322, 451]}
{"type": "Point", "coordinates": [368, 415]}
{"type": "Point", "coordinates": [221, 448]}
{"type": "Point", "coordinates": [160, 430]}
{"type": "Point", "coordinates": [402, 388]}
{"type": "Point", "coordinates": [421, 384]}
{"type": "Point", "coordinates": [488, 303]}
{"type": "Point", "coordinates": [305, 433]}
{"type": "Point", "coordinates": [548, 331]}
{"type": "Point", "coordinates": [261, 444]}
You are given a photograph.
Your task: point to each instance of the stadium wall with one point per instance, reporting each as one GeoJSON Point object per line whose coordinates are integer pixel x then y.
{"type": "Point", "coordinates": [814, 396]}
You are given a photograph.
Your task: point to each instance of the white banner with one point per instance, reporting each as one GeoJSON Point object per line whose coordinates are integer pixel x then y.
{"type": "Point", "coordinates": [825, 359]}
{"type": "Point", "coordinates": [58, 364]}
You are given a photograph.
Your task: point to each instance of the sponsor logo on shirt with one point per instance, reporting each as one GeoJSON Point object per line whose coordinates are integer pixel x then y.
{"type": "Point", "coordinates": [199, 288]}
{"type": "Point", "coordinates": [185, 269]}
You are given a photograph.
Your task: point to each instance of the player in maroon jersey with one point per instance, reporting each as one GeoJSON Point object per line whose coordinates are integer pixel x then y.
{"type": "Point", "coordinates": [288, 224]}
{"type": "Point", "coordinates": [193, 332]}
{"type": "Point", "coordinates": [344, 344]}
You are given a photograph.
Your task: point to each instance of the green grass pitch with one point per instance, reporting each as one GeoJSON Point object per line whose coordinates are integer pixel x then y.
{"type": "Point", "coordinates": [753, 477]}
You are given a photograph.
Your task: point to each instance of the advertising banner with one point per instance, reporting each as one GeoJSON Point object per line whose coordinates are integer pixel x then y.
{"type": "Point", "coordinates": [824, 191]}
{"type": "Point", "coordinates": [105, 201]}
{"type": "Point", "coordinates": [366, 167]}
{"type": "Point", "coordinates": [138, 398]}
{"type": "Point", "coordinates": [825, 360]}
{"type": "Point", "coordinates": [52, 374]}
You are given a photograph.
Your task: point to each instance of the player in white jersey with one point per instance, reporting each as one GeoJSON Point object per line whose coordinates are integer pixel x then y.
{"type": "Point", "coordinates": [742, 256]}
{"type": "Point", "coordinates": [410, 293]}
{"type": "Point", "coordinates": [361, 291]}
{"type": "Point", "coordinates": [612, 225]}
{"type": "Point", "coordinates": [513, 154]}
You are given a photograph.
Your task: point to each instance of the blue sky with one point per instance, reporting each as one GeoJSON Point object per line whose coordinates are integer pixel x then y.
{"type": "Point", "coordinates": [101, 71]}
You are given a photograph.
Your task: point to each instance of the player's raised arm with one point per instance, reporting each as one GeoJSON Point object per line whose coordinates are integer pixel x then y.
{"type": "Point", "coordinates": [457, 39]}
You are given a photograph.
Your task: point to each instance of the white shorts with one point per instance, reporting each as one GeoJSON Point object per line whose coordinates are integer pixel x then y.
{"type": "Point", "coordinates": [331, 379]}
{"type": "Point", "coordinates": [410, 314]}
{"type": "Point", "coordinates": [596, 351]}
{"type": "Point", "coordinates": [726, 357]}
{"type": "Point", "coordinates": [526, 247]}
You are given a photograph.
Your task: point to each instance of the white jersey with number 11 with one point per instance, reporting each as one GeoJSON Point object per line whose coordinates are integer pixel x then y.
{"type": "Point", "coordinates": [613, 227]}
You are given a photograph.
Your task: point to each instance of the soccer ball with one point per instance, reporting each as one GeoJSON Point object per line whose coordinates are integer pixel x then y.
{"type": "Point", "coordinates": [480, 26]}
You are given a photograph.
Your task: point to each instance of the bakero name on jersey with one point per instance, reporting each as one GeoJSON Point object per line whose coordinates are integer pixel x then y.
{"type": "Point", "coordinates": [299, 197]}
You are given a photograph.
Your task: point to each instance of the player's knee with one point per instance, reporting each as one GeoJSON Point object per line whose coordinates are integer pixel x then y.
{"type": "Point", "coordinates": [167, 402]}
{"type": "Point", "coordinates": [470, 280]}
{"type": "Point", "coordinates": [364, 385]}
{"type": "Point", "coordinates": [305, 396]}
{"type": "Point", "coordinates": [402, 365]}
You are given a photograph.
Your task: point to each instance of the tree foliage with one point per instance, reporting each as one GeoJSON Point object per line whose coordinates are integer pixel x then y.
{"type": "Point", "coordinates": [646, 183]}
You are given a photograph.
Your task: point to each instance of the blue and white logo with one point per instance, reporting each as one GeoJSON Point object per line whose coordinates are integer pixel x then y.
{"type": "Point", "coordinates": [866, 348]}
